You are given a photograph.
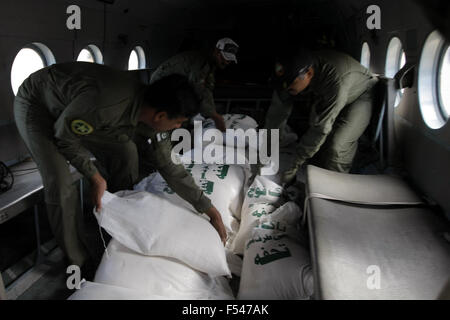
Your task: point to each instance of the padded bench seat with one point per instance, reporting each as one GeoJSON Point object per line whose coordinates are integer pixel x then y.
{"type": "Point", "coordinates": [364, 226]}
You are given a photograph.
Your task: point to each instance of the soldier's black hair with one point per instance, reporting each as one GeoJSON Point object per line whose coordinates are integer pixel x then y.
{"type": "Point", "coordinates": [296, 61]}
{"type": "Point", "coordinates": [174, 95]}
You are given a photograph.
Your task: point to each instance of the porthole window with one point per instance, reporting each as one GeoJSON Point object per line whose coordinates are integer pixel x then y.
{"type": "Point", "coordinates": [395, 60]}
{"type": "Point", "coordinates": [434, 81]}
{"type": "Point", "coordinates": [365, 55]}
{"type": "Point", "coordinates": [444, 83]}
{"type": "Point", "coordinates": [28, 60]}
{"type": "Point", "coordinates": [137, 59]}
{"type": "Point", "coordinates": [91, 54]}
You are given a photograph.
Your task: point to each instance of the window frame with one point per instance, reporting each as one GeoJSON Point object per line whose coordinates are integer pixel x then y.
{"type": "Point", "coordinates": [370, 54]}
{"type": "Point", "coordinates": [397, 61]}
{"type": "Point", "coordinates": [437, 89]}
{"type": "Point", "coordinates": [45, 54]}
{"type": "Point", "coordinates": [431, 106]}
{"type": "Point", "coordinates": [141, 57]}
{"type": "Point", "coordinates": [398, 56]}
{"type": "Point", "coordinates": [95, 52]}
{"type": "Point", "coordinates": [36, 49]}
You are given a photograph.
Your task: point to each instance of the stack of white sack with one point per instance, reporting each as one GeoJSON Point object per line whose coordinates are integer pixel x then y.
{"type": "Point", "coordinates": [153, 275]}
{"type": "Point", "coordinates": [223, 184]}
{"type": "Point", "coordinates": [239, 121]}
{"type": "Point", "coordinates": [261, 199]}
{"type": "Point", "coordinates": [98, 291]}
{"type": "Point", "coordinates": [276, 260]}
{"type": "Point", "coordinates": [156, 240]}
{"type": "Point", "coordinates": [224, 150]}
{"type": "Point", "coordinates": [223, 181]}
{"type": "Point", "coordinates": [232, 121]}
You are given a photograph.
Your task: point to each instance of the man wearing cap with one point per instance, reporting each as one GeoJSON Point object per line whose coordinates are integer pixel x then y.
{"type": "Point", "coordinates": [68, 112]}
{"type": "Point", "coordinates": [199, 68]}
{"type": "Point", "coordinates": [338, 91]}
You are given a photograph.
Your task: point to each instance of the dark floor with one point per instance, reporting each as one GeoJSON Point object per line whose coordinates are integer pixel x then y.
{"type": "Point", "coordinates": [18, 237]}
{"type": "Point", "coordinates": [25, 280]}
{"type": "Point", "coordinates": [52, 285]}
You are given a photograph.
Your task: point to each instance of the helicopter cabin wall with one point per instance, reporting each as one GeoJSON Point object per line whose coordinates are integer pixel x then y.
{"type": "Point", "coordinates": [25, 22]}
{"type": "Point", "coordinates": [422, 151]}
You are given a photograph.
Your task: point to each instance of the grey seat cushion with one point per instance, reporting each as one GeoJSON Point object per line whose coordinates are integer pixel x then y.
{"type": "Point", "coordinates": [406, 244]}
{"type": "Point", "coordinates": [351, 242]}
{"type": "Point", "coordinates": [375, 190]}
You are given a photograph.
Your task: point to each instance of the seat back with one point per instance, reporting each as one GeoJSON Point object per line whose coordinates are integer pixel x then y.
{"type": "Point", "coordinates": [381, 128]}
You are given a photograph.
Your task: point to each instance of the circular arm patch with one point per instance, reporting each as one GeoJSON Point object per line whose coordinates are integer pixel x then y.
{"type": "Point", "coordinates": [81, 127]}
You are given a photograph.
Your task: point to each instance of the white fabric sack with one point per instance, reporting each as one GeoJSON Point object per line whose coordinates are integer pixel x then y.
{"type": "Point", "coordinates": [240, 121]}
{"type": "Point", "coordinates": [97, 291]}
{"type": "Point", "coordinates": [234, 262]}
{"type": "Point", "coordinates": [153, 226]}
{"type": "Point", "coordinates": [286, 219]}
{"type": "Point", "coordinates": [235, 225]}
{"type": "Point", "coordinates": [160, 276]}
{"type": "Point", "coordinates": [232, 121]}
{"type": "Point", "coordinates": [260, 200]}
{"type": "Point", "coordinates": [223, 184]}
{"type": "Point", "coordinates": [230, 155]}
{"type": "Point", "coordinates": [276, 267]}
{"type": "Point", "coordinates": [230, 147]}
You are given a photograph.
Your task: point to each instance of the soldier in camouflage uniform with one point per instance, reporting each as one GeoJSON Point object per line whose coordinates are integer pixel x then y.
{"type": "Point", "coordinates": [199, 68]}
{"type": "Point", "coordinates": [68, 112]}
{"type": "Point", "coordinates": [340, 90]}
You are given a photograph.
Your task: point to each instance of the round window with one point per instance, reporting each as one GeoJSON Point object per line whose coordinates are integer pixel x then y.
{"type": "Point", "coordinates": [91, 54]}
{"type": "Point", "coordinates": [434, 81]}
{"type": "Point", "coordinates": [28, 60]}
{"type": "Point", "coordinates": [137, 59]}
{"type": "Point", "coordinates": [395, 60]}
{"type": "Point", "coordinates": [365, 55]}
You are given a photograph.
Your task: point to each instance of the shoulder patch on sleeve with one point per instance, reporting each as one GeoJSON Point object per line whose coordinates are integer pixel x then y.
{"type": "Point", "coordinates": [81, 127]}
{"type": "Point", "coordinates": [162, 136]}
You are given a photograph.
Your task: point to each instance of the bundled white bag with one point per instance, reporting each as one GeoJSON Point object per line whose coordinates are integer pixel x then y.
{"type": "Point", "coordinates": [154, 226]}
{"type": "Point", "coordinates": [232, 121]}
{"type": "Point", "coordinates": [228, 146]}
{"type": "Point", "coordinates": [234, 262]}
{"type": "Point", "coordinates": [239, 121]}
{"type": "Point", "coordinates": [223, 184]}
{"type": "Point", "coordinates": [235, 225]}
{"type": "Point", "coordinates": [97, 291]}
{"type": "Point", "coordinates": [276, 267]}
{"type": "Point", "coordinates": [160, 276]}
{"type": "Point", "coordinates": [259, 201]}
{"type": "Point", "coordinates": [286, 219]}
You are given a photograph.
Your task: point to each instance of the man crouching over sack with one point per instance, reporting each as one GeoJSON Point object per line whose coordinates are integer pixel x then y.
{"type": "Point", "coordinates": [69, 112]}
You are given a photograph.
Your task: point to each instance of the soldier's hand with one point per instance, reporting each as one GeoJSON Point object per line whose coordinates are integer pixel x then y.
{"type": "Point", "coordinates": [216, 221]}
{"type": "Point", "coordinates": [219, 122]}
{"type": "Point", "coordinates": [289, 175]}
{"type": "Point", "coordinates": [98, 189]}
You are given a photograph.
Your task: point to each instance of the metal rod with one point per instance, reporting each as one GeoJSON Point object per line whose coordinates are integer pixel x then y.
{"type": "Point", "coordinates": [38, 234]}
{"type": "Point", "coordinates": [81, 196]}
{"type": "Point", "coordinates": [2, 288]}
